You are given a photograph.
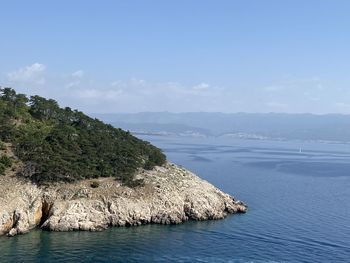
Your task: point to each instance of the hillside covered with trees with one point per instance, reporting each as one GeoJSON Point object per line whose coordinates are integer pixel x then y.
{"type": "Point", "coordinates": [60, 144]}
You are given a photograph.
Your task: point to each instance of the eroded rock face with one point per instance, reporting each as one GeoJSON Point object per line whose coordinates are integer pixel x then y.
{"type": "Point", "coordinates": [171, 195]}
{"type": "Point", "coordinates": [20, 206]}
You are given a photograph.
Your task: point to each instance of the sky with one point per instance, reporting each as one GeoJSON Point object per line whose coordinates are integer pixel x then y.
{"type": "Point", "coordinates": [180, 56]}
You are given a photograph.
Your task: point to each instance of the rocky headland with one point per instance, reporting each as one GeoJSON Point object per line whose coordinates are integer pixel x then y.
{"type": "Point", "coordinates": [170, 195]}
{"type": "Point", "coordinates": [62, 170]}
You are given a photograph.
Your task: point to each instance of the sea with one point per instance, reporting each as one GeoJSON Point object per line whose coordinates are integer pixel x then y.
{"type": "Point", "coordinates": [298, 195]}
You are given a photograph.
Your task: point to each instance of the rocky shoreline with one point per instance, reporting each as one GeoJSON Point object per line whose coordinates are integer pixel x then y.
{"type": "Point", "coordinates": [170, 195]}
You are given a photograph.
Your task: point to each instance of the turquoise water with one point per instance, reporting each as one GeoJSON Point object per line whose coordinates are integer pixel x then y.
{"type": "Point", "coordinates": [299, 210]}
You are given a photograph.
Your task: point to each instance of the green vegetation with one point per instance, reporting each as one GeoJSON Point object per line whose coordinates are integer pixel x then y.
{"type": "Point", "coordinates": [61, 144]}
{"type": "Point", "coordinates": [5, 162]}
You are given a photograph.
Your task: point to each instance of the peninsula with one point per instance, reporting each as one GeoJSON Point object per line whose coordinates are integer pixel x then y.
{"type": "Point", "coordinates": [61, 170]}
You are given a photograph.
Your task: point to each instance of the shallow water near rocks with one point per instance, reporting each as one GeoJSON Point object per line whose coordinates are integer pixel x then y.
{"type": "Point", "coordinates": [299, 210]}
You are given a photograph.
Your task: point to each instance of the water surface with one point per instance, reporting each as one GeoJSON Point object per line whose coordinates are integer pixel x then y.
{"type": "Point", "coordinates": [299, 210]}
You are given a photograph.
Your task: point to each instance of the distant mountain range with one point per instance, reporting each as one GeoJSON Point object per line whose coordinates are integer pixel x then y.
{"type": "Point", "coordinates": [329, 127]}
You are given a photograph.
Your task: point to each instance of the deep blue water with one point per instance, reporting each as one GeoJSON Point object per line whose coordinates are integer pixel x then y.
{"type": "Point", "coordinates": [299, 210]}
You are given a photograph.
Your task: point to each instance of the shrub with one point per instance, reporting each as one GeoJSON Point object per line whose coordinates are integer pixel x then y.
{"type": "Point", "coordinates": [5, 161]}
{"type": "Point", "coordinates": [155, 157]}
{"type": "Point", "coordinates": [2, 146]}
{"type": "Point", "coordinates": [134, 183]}
{"type": "Point", "coordinates": [95, 184]}
{"type": "Point", "coordinates": [2, 169]}
{"type": "Point", "coordinates": [130, 181]}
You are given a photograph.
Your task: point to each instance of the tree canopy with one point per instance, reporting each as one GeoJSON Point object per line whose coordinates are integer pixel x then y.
{"type": "Point", "coordinates": [61, 144]}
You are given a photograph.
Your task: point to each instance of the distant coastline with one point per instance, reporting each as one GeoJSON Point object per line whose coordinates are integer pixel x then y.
{"type": "Point", "coordinates": [235, 136]}
{"type": "Point", "coordinates": [329, 128]}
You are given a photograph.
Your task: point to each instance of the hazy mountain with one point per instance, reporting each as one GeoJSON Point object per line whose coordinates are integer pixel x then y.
{"type": "Point", "coordinates": [330, 127]}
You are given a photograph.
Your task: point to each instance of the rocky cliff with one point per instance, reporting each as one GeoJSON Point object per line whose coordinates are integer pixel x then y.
{"type": "Point", "coordinates": [170, 195]}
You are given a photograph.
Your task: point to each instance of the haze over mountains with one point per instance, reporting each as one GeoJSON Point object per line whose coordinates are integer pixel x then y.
{"type": "Point", "coordinates": [329, 127]}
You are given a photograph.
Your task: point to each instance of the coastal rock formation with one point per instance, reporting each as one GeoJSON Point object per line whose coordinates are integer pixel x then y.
{"type": "Point", "coordinates": [170, 195]}
{"type": "Point", "coordinates": [20, 206]}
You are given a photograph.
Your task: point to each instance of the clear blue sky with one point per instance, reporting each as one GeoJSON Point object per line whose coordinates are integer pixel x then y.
{"type": "Point", "coordinates": [131, 56]}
